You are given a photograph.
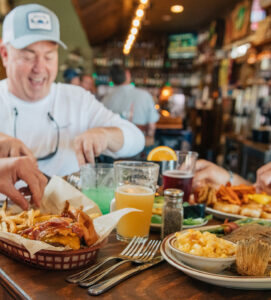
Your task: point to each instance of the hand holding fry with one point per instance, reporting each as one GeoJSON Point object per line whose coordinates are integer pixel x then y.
{"type": "Point", "coordinates": [14, 169]}
{"type": "Point", "coordinates": [210, 174]}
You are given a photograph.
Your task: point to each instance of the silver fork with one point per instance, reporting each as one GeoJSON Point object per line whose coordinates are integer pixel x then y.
{"type": "Point", "coordinates": [139, 256]}
{"type": "Point", "coordinates": [127, 251]}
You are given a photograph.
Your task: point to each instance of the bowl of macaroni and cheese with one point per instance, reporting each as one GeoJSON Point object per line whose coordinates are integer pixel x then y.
{"type": "Point", "coordinates": [202, 250]}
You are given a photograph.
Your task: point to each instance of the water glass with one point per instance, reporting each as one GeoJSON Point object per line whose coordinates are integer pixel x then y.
{"type": "Point", "coordinates": [97, 182]}
{"type": "Point", "coordinates": [135, 187]}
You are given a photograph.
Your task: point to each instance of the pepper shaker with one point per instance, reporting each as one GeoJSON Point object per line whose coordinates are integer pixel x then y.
{"type": "Point", "coordinates": [172, 213]}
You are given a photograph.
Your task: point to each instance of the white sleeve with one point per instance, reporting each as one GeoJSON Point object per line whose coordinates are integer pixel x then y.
{"type": "Point", "coordinates": [97, 115]}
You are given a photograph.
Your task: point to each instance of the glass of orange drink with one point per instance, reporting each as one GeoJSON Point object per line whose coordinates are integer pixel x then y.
{"type": "Point", "coordinates": [135, 187]}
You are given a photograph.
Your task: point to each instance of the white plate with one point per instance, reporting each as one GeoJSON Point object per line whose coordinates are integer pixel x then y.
{"type": "Point", "coordinates": [156, 226]}
{"type": "Point", "coordinates": [225, 279]}
{"type": "Point", "coordinates": [222, 215]}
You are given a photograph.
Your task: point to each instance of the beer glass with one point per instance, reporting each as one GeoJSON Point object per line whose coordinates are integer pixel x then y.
{"type": "Point", "coordinates": [135, 187]}
{"type": "Point", "coordinates": [181, 175]}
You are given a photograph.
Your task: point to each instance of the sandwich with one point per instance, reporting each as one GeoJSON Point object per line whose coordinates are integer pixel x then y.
{"type": "Point", "coordinates": [71, 229]}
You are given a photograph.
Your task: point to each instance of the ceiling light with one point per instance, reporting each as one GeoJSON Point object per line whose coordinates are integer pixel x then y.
{"type": "Point", "coordinates": [144, 1]}
{"type": "Point", "coordinates": [176, 9]}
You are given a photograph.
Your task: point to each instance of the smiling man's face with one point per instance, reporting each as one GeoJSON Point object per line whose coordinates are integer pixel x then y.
{"type": "Point", "coordinates": [31, 70]}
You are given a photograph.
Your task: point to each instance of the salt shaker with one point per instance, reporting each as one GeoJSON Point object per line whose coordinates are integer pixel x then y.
{"type": "Point", "coordinates": [172, 214]}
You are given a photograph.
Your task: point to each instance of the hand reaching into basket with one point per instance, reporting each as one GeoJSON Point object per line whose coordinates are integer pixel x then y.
{"type": "Point", "coordinates": [13, 169]}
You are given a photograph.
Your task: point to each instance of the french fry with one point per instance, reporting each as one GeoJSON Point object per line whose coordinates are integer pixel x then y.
{"type": "Point", "coordinates": [202, 194]}
{"type": "Point", "coordinates": [4, 227]}
{"type": "Point", "coordinates": [31, 215]}
{"type": "Point", "coordinates": [3, 210]}
{"type": "Point", "coordinates": [245, 198]}
{"type": "Point", "coordinates": [11, 225]}
{"type": "Point", "coordinates": [39, 219]}
{"type": "Point", "coordinates": [211, 197]}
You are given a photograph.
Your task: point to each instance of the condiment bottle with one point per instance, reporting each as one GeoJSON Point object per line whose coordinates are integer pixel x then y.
{"type": "Point", "coordinates": [172, 213]}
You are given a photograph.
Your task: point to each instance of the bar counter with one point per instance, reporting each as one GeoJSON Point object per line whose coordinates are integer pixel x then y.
{"type": "Point", "coordinates": [19, 281]}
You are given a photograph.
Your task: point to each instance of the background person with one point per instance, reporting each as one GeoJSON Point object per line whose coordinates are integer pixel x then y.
{"type": "Point", "coordinates": [130, 102]}
{"type": "Point", "coordinates": [88, 83]}
{"type": "Point", "coordinates": [63, 125]}
{"type": "Point", "coordinates": [71, 76]}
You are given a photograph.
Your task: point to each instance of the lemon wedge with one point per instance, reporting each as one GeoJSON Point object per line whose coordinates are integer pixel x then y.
{"type": "Point", "coordinates": [260, 198]}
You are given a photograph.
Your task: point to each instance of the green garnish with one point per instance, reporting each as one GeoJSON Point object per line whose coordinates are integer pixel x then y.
{"type": "Point", "coordinates": [156, 219]}
{"type": "Point", "coordinates": [191, 221]}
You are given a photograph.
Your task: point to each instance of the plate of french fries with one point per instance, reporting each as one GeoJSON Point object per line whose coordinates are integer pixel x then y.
{"type": "Point", "coordinates": [234, 202]}
{"type": "Point", "coordinates": [72, 231]}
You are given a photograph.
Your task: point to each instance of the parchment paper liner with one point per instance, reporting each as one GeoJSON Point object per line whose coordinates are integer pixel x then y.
{"type": "Point", "coordinates": [56, 193]}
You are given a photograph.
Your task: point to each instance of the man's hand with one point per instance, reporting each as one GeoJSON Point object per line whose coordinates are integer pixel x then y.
{"type": "Point", "coordinates": [263, 181]}
{"type": "Point", "coordinates": [93, 142]}
{"type": "Point", "coordinates": [14, 169]}
{"type": "Point", "coordinates": [210, 173]}
{"type": "Point", "coordinates": [12, 147]}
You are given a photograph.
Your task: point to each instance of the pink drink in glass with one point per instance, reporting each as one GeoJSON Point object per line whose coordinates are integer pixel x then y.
{"type": "Point", "coordinates": [179, 180]}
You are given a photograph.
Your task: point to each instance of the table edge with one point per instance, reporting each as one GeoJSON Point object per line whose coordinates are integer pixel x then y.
{"type": "Point", "coordinates": [11, 287]}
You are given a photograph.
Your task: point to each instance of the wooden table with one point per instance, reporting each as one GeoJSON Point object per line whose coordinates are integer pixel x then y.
{"type": "Point", "coordinates": [18, 281]}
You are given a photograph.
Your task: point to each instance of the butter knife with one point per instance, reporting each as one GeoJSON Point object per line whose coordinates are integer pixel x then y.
{"type": "Point", "coordinates": [105, 285]}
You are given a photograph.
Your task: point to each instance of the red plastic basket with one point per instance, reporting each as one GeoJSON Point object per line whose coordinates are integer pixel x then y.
{"type": "Point", "coordinates": [52, 260]}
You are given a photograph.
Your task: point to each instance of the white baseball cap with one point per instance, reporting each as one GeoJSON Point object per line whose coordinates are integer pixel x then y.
{"type": "Point", "coordinates": [30, 23]}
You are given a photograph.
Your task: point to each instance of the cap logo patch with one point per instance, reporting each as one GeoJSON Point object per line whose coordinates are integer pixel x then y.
{"type": "Point", "coordinates": [39, 20]}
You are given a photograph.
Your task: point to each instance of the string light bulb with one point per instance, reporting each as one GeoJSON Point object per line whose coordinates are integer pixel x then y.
{"type": "Point", "coordinates": [139, 14]}
{"type": "Point", "coordinates": [136, 23]}
{"type": "Point", "coordinates": [134, 30]}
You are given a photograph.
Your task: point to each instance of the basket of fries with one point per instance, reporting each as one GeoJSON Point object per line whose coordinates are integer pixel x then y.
{"type": "Point", "coordinates": [66, 233]}
{"type": "Point", "coordinates": [51, 260]}
{"type": "Point", "coordinates": [72, 233]}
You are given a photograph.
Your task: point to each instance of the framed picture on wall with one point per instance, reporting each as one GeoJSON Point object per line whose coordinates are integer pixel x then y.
{"type": "Point", "coordinates": [237, 22]}
{"type": "Point", "coordinates": [240, 17]}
